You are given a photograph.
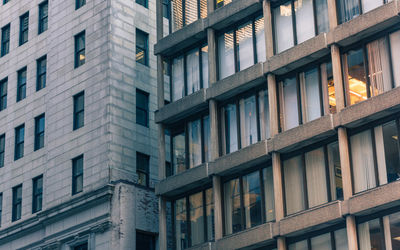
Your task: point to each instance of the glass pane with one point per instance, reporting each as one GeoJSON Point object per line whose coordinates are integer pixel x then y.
{"type": "Point", "coordinates": [252, 199]}
{"type": "Point", "coordinates": [395, 51]}
{"type": "Point", "coordinates": [233, 216]}
{"type": "Point", "coordinates": [362, 161]}
{"type": "Point", "coordinates": [192, 71]}
{"type": "Point", "coordinates": [331, 87]}
{"type": "Point", "coordinates": [226, 59]}
{"type": "Point", "coordinates": [181, 230]}
{"type": "Point", "coordinates": [283, 27]}
{"type": "Point", "coordinates": [316, 177]}
{"type": "Point", "coordinates": [191, 11]}
{"type": "Point", "coordinates": [312, 96]}
{"type": "Point", "coordinates": [248, 121]}
{"type": "Point", "coordinates": [290, 104]}
{"type": "Point", "coordinates": [391, 148]}
{"type": "Point", "coordinates": [370, 235]}
{"type": "Point", "coordinates": [203, 8]}
{"type": "Point", "coordinates": [321, 242]}
{"type": "Point", "coordinates": [368, 5]}
{"type": "Point", "coordinates": [357, 83]}
{"type": "Point", "coordinates": [294, 186]}
{"type": "Point", "coordinates": [335, 171]}
{"type": "Point", "coordinates": [341, 239]}
{"type": "Point", "coordinates": [210, 214]}
{"type": "Point", "coordinates": [177, 17]}
{"type": "Point", "coordinates": [347, 10]}
{"type": "Point", "coordinates": [269, 193]}
{"type": "Point", "coordinates": [395, 230]}
{"type": "Point", "coordinates": [196, 218]}
{"type": "Point", "coordinates": [194, 143]}
{"type": "Point", "coordinates": [322, 16]}
{"type": "Point", "coordinates": [244, 40]}
{"type": "Point", "coordinates": [221, 3]}
{"type": "Point", "coordinates": [264, 114]}
{"type": "Point", "coordinates": [178, 144]}
{"type": "Point", "coordinates": [204, 65]}
{"type": "Point", "coordinates": [260, 39]}
{"type": "Point", "coordinates": [305, 27]}
{"type": "Point", "coordinates": [301, 245]}
{"type": "Point", "coordinates": [177, 79]}
{"type": "Point", "coordinates": [207, 138]}
{"type": "Point", "coordinates": [231, 139]}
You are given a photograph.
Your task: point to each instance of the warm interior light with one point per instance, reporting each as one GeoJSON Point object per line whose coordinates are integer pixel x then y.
{"type": "Point", "coordinates": [81, 57]}
{"type": "Point", "coordinates": [397, 238]}
{"type": "Point", "coordinates": [286, 10]}
{"type": "Point", "coordinates": [395, 137]}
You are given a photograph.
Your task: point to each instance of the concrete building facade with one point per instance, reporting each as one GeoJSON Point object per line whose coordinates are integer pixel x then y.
{"type": "Point", "coordinates": [78, 142]}
{"type": "Point", "coordinates": [281, 125]}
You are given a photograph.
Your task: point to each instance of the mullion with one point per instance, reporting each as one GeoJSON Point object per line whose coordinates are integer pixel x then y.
{"type": "Point", "coordinates": [239, 139]}
{"type": "Point", "coordinates": [320, 92]}
{"type": "Point", "coordinates": [316, 31]}
{"type": "Point", "coordinates": [333, 242]}
{"type": "Point", "coordinates": [185, 79]}
{"type": "Point", "coordinates": [283, 187]}
{"type": "Point", "coordinates": [397, 141]}
{"type": "Point", "coordinates": [205, 238]}
{"type": "Point", "coordinates": [183, 13]}
{"type": "Point", "coordinates": [390, 60]}
{"type": "Point", "coordinates": [242, 213]}
{"type": "Point", "coordinates": [328, 183]}
{"type": "Point", "coordinates": [381, 227]}
{"type": "Point", "coordinates": [202, 145]}
{"type": "Point", "coordinates": [188, 226]}
{"type": "Point", "coordinates": [304, 172]}
{"type": "Point", "coordinates": [309, 243]}
{"type": "Point", "coordinates": [201, 67]}
{"type": "Point", "coordinates": [187, 155]}
{"type": "Point", "coordinates": [366, 69]}
{"type": "Point", "coordinates": [351, 164]}
{"type": "Point", "coordinates": [360, 7]}
{"type": "Point", "coordinates": [258, 118]}
{"type": "Point", "coordinates": [253, 33]}
{"type": "Point", "coordinates": [299, 104]}
{"type": "Point", "coordinates": [263, 208]}
{"type": "Point", "coordinates": [375, 157]}
{"type": "Point", "coordinates": [235, 50]}
{"type": "Point", "coordinates": [294, 24]}
{"type": "Point", "coordinates": [173, 213]}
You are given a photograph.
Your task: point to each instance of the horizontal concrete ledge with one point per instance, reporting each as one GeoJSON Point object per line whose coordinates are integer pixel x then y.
{"type": "Point", "coordinates": [249, 239]}
{"type": "Point", "coordinates": [183, 182]}
{"type": "Point", "coordinates": [183, 107]}
{"type": "Point", "coordinates": [365, 25]}
{"type": "Point", "coordinates": [303, 135]}
{"type": "Point", "coordinates": [232, 13]}
{"type": "Point", "coordinates": [298, 56]}
{"type": "Point", "coordinates": [183, 38]}
{"type": "Point", "coordinates": [237, 83]}
{"type": "Point", "coordinates": [244, 158]}
{"type": "Point", "coordinates": [204, 246]}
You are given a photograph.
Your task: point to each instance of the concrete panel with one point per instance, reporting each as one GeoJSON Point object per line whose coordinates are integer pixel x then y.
{"type": "Point", "coordinates": [204, 246]}
{"type": "Point", "coordinates": [239, 160]}
{"type": "Point", "coordinates": [182, 108]}
{"type": "Point", "coordinates": [183, 182]}
{"type": "Point", "coordinates": [365, 25]}
{"type": "Point", "coordinates": [299, 55]}
{"type": "Point", "coordinates": [237, 83]}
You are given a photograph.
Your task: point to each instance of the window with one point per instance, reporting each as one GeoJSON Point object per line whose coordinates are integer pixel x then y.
{"type": "Point", "coordinates": [306, 96]}
{"type": "Point", "coordinates": [39, 132]}
{"type": "Point", "coordinates": [23, 28]}
{"type": "Point", "coordinates": [189, 72]}
{"type": "Point", "coordinates": [41, 73]}
{"type": "Point", "coordinates": [145, 241]}
{"type": "Point", "coordinates": [142, 168]}
{"type": "Point", "coordinates": [21, 84]}
{"type": "Point", "coordinates": [248, 201]}
{"type": "Point", "coordinates": [142, 47]}
{"type": "Point", "coordinates": [16, 202]}
{"type": "Point", "coordinates": [197, 149]}
{"type": "Point", "coordinates": [5, 1]}
{"type": "Point", "coordinates": [194, 219]}
{"type": "Point", "coordinates": [142, 108]}
{"type": "Point", "coordinates": [43, 17]}
{"type": "Point", "coordinates": [80, 49]}
{"type": "Point", "coordinates": [19, 142]}
{"type": "Point", "coordinates": [349, 9]}
{"type": "Point", "coordinates": [186, 12]}
{"type": "Point", "coordinates": [243, 123]}
{"type": "Point", "coordinates": [77, 175]}
{"type": "Point", "coordinates": [335, 239]}
{"type": "Point", "coordinates": [79, 110]}
{"type": "Point", "coordinates": [1, 206]}
{"type": "Point", "coordinates": [220, 3]}
{"type": "Point", "coordinates": [79, 3]}
{"type": "Point", "coordinates": [2, 149]}
{"type": "Point", "coordinates": [166, 9]}
{"type": "Point", "coordinates": [241, 47]}
{"type": "Point", "coordinates": [368, 71]}
{"type": "Point", "coordinates": [295, 22]}
{"type": "Point", "coordinates": [5, 40]}
{"type": "Point", "coordinates": [83, 246]}
{"type": "Point", "coordinates": [3, 93]}
{"type": "Point", "coordinates": [142, 2]}
{"type": "Point", "coordinates": [312, 178]}
{"type": "Point", "coordinates": [37, 194]}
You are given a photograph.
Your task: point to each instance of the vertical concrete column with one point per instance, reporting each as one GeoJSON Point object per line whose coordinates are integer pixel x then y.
{"type": "Point", "coordinates": [212, 56]}
{"type": "Point", "coordinates": [210, 6]}
{"type": "Point", "coordinates": [345, 163]}
{"type": "Point", "coordinates": [214, 129]}
{"type": "Point", "coordinates": [269, 36]}
{"type": "Point", "coordinates": [278, 186]}
{"type": "Point", "coordinates": [281, 243]}
{"type": "Point", "coordinates": [162, 224]}
{"type": "Point", "coordinates": [337, 77]}
{"type": "Point", "coordinates": [333, 21]}
{"type": "Point", "coordinates": [351, 227]}
{"type": "Point", "coordinates": [159, 19]}
{"type": "Point", "coordinates": [217, 191]}
{"type": "Point", "coordinates": [273, 105]}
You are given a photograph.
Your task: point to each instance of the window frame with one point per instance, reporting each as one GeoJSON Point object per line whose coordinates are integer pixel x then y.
{"type": "Point", "coordinates": [171, 30]}
{"type": "Point", "coordinates": [3, 95]}
{"type": "Point", "coordinates": [360, 9]}
{"type": "Point", "coordinates": [43, 19]}
{"type": "Point", "coordinates": [145, 48]}
{"type": "Point", "coordinates": [79, 51]}
{"type": "Point", "coordinates": [144, 109]}
{"type": "Point", "coordinates": [17, 153]}
{"type": "Point", "coordinates": [38, 133]}
{"type": "Point", "coordinates": [145, 3]}
{"type": "Point", "coordinates": [21, 86]}
{"type": "Point", "coordinates": [76, 174]}
{"type": "Point", "coordinates": [77, 112]}
{"type": "Point", "coordinates": [40, 74]}
{"type": "Point", "coordinates": [2, 150]}
{"type": "Point", "coordinates": [16, 202]}
{"type": "Point", "coordinates": [23, 29]}
{"type": "Point", "coordinates": [146, 171]}
{"type": "Point", "coordinates": [37, 192]}
{"type": "Point", "coordinates": [5, 43]}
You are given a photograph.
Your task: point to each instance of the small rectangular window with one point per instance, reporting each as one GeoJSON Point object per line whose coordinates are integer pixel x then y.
{"type": "Point", "coordinates": [37, 194]}
{"type": "Point", "coordinates": [77, 175]}
{"type": "Point", "coordinates": [83, 246]}
{"type": "Point", "coordinates": [21, 84]}
{"type": "Point", "coordinates": [2, 149]}
{"type": "Point", "coordinates": [80, 49]}
{"type": "Point", "coordinates": [39, 132]}
{"type": "Point", "coordinates": [142, 47]}
{"type": "Point", "coordinates": [23, 28]}
{"type": "Point", "coordinates": [142, 168]}
{"type": "Point", "coordinates": [16, 203]}
{"type": "Point", "coordinates": [41, 73]}
{"type": "Point", "coordinates": [43, 17]}
{"type": "Point", "coordinates": [5, 1]}
{"type": "Point", "coordinates": [145, 241]}
{"type": "Point", "coordinates": [79, 110]}
{"type": "Point", "coordinates": [142, 108]}
{"type": "Point", "coordinates": [19, 142]}
{"type": "Point", "coordinates": [3, 94]}
{"type": "Point", "coordinates": [142, 2]}
{"type": "Point", "coordinates": [79, 3]}
{"type": "Point", "coordinates": [5, 40]}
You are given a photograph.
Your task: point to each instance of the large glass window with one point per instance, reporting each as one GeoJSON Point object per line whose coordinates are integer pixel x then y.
{"type": "Point", "coordinates": [241, 47]}
{"type": "Point", "coordinates": [248, 201]}
{"type": "Point", "coordinates": [329, 239]}
{"type": "Point", "coordinates": [349, 9]}
{"type": "Point", "coordinates": [295, 22]}
{"type": "Point", "coordinates": [312, 178]}
{"type": "Point", "coordinates": [187, 12]}
{"type": "Point", "coordinates": [189, 72]}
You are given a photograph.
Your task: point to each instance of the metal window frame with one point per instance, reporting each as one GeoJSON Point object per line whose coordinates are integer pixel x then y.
{"type": "Point", "coordinates": [76, 112]}
{"type": "Point", "coordinates": [16, 201]}
{"type": "Point", "coordinates": [43, 18]}
{"type": "Point", "coordinates": [360, 9]}
{"type": "Point", "coordinates": [36, 192]}
{"type": "Point", "coordinates": [40, 74]}
{"type": "Point", "coordinates": [144, 109]}
{"type": "Point", "coordinates": [38, 133]}
{"type": "Point", "coordinates": [23, 29]}
{"type": "Point", "coordinates": [79, 3]}
{"type": "Point", "coordinates": [75, 176]}
{"type": "Point", "coordinates": [18, 142]}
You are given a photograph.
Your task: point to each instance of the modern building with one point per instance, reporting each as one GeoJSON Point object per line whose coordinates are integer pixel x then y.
{"type": "Point", "coordinates": [78, 142]}
{"type": "Point", "coordinates": [281, 126]}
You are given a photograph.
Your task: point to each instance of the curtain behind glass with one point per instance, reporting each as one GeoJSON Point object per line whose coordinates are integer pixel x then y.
{"type": "Point", "coordinates": [322, 16]}
{"type": "Point", "coordinates": [194, 130]}
{"type": "Point", "coordinates": [290, 104]}
{"type": "Point", "coordinates": [368, 5]}
{"type": "Point", "coordinates": [181, 232]}
{"type": "Point", "coordinates": [347, 10]}
{"type": "Point", "coordinates": [300, 245]}
{"type": "Point", "coordinates": [294, 188]}
{"type": "Point", "coordinates": [380, 154]}
{"type": "Point", "coordinates": [394, 220]}
{"type": "Point", "coordinates": [283, 27]}
{"type": "Point", "coordinates": [231, 139]}
{"type": "Point", "coordinates": [177, 15]}
{"type": "Point", "coordinates": [178, 149]}
{"type": "Point", "coordinates": [305, 27]}
{"type": "Point", "coordinates": [248, 121]}
{"type": "Point", "coordinates": [362, 161]}
{"type": "Point", "coordinates": [196, 218]}
{"type": "Point", "coordinates": [395, 53]}
{"type": "Point", "coordinates": [335, 171]}
{"type": "Point", "coordinates": [252, 199]}
{"type": "Point", "coordinates": [191, 11]}
{"type": "Point", "coordinates": [192, 71]}
{"type": "Point", "coordinates": [232, 210]}
{"type": "Point", "coordinates": [264, 114]}
{"type": "Point", "coordinates": [269, 193]}
{"type": "Point", "coordinates": [210, 214]}
{"type": "Point", "coordinates": [244, 42]}
{"type": "Point", "coordinates": [204, 65]}
{"type": "Point", "coordinates": [316, 177]}
{"type": "Point", "coordinates": [369, 235]}
{"type": "Point", "coordinates": [260, 39]}
{"type": "Point", "coordinates": [226, 59]}
{"type": "Point", "coordinates": [321, 242]}
{"type": "Point", "coordinates": [177, 79]}
{"type": "Point", "coordinates": [312, 101]}
{"type": "Point", "coordinates": [341, 239]}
